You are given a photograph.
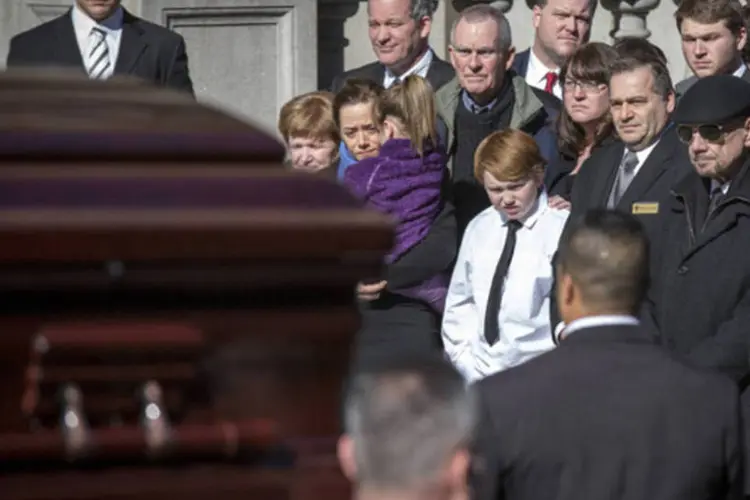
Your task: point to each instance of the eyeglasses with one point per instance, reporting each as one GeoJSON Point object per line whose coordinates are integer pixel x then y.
{"type": "Point", "coordinates": [708, 132]}
{"type": "Point", "coordinates": [587, 87]}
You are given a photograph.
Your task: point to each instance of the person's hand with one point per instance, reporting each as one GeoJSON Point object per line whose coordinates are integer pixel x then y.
{"type": "Point", "coordinates": [559, 203]}
{"type": "Point", "coordinates": [370, 291]}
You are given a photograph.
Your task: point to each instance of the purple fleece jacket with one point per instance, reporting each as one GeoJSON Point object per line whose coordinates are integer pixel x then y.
{"type": "Point", "coordinates": [400, 183]}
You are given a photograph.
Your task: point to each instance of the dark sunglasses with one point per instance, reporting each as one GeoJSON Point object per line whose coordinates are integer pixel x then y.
{"type": "Point", "coordinates": [710, 133]}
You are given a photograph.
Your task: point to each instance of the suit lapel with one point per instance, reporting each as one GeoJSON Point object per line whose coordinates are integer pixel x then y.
{"type": "Point", "coordinates": [67, 49]}
{"type": "Point", "coordinates": [607, 172]}
{"type": "Point", "coordinates": [132, 45]}
{"type": "Point", "coordinates": [746, 74]}
{"type": "Point", "coordinates": [653, 168]}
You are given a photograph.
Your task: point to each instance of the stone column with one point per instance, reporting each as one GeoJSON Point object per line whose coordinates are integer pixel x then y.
{"type": "Point", "coordinates": [332, 16]}
{"type": "Point", "coordinates": [630, 17]}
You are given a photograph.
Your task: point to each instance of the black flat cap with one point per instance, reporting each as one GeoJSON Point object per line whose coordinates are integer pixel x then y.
{"type": "Point", "coordinates": [714, 100]}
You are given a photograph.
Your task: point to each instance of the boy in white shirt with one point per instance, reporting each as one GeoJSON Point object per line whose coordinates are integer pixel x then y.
{"type": "Point", "coordinates": [497, 312]}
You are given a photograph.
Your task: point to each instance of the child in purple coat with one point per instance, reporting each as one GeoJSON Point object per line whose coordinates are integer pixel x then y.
{"type": "Point", "coordinates": [404, 180]}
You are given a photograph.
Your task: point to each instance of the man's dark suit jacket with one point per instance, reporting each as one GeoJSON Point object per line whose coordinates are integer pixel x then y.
{"type": "Point", "coordinates": [438, 74]}
{"type": "Point", "coordinates": [607, 415]}
{"type": "Point", "coordinates": [148, 51]}
{"type": "Point", "coordinates": [648, 194]}
{"type": "Point", "coordinates": [521, 63]}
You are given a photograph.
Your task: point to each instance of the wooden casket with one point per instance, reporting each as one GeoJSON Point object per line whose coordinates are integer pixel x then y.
{"type": "Point", "coordinates": [176, 309]}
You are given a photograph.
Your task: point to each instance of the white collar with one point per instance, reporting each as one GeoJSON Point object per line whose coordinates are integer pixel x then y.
{"type": "Point", "coordinates": [82, 22]}
{"type": "Point", "coordinates": [601, 320]}
{"type": "Point", "coordinates": [740, 72]}
{"type": "Point", "coordinates": [642, 155]}
{"type": "Point", "coordinates": [538, 71]}
{"type": "Point", "coordinates": [541, 205]}
{"type": "Point", "coordinates": [717, 185]}
{"type": "Point", "coordinates": [419, 68]}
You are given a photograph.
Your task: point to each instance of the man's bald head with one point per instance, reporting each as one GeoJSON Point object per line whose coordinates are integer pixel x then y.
{"type": "Point", "coordinates": [605, 255]}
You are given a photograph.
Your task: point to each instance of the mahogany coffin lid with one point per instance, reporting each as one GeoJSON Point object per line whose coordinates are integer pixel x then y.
{"type": "Point", "coordinates": [180, 326]}
{"type": "Point", "coordinates": [64, 116]}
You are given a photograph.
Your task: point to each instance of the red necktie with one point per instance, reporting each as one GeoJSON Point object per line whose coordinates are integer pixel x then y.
{"type": "Point", "coordinates": [551, 81]}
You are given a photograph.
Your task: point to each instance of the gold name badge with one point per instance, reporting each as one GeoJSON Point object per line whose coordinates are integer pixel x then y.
{"type": "Point", "coordinates": [645, 208]}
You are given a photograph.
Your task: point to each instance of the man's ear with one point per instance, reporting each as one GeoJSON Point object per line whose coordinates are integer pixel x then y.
{"type": "Point", "coordinates": [567, 289]}
{"type": "Point", "coordinates": [345, 453]}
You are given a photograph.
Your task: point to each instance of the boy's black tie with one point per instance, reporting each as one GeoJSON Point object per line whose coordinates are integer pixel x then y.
{"type": "Point", "coordinates": [491, 327]}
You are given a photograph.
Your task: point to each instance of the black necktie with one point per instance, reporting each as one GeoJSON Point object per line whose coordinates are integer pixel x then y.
{"type": "Point", "coordinates": [491, 327]}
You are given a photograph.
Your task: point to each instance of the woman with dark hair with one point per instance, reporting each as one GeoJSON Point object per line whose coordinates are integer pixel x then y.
{"type": "Point", "coordinates": [584, 123]}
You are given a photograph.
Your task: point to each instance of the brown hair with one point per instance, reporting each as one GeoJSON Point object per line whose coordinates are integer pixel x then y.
{"type": "Point", "coordinates": [413, 103]}
{"type": "Point", "coordinates": [357, 91]}
{"type": "Point", "coordinates": [590, 63]}
{"type": "Point", "coordinates": [309, 115]}
{"type": "Point", "coordinates": [639, 48]}
{"type": "Point", "coordinates": [662, 85]}
{"type": "Point", "coordinates": [508, 155]}
{"type": "Point", "coordinates": [711, 11]}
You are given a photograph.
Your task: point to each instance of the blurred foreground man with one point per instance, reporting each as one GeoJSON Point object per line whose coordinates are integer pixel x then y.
{"type": "Point", "coordinates": [609, 414]}
{"type": "Point", "coordinates": [408, 427]}
{"type": "Point", "coordinates": [102, 39]}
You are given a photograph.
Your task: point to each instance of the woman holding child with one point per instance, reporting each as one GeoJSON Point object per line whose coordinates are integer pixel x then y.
{"type": "Point", "coordinates": [400, 172]}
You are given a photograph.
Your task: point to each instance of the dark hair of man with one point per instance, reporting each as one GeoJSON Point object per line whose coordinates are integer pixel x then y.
{"type": "Point", "coordinates": [606, 255]}
{"type": "Point", "coordinates": [639, 48]}
{"type": "Point", "coordinates": [710, 12]}
{"type": "Point", "coordinates": [662, 84]}
{"type": "Point", "coordinates": [590, 63]}
{"type": "Point", "coordinates": [406, 417]}
{"type": "Point", "coordinates": [357, 91]}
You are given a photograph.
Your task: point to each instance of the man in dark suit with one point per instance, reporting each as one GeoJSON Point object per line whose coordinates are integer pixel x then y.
{"type": "Point", "coordinates": [700, 294]}
{"type": "Point", "coordinates": [399, 33]}
{"type": "Point", "coordinates": [608, 413]}
{"type": "Point", "coordinates": [714, 35]}
{"type": "Point", "coordinates": [560, 27]}
{"type": "Point", "coordinates": [635, 174]}
{"type": "Point", "coordinates": [102, 39]}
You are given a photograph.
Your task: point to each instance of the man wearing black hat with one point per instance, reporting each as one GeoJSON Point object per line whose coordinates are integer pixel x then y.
{"type": "Point", "coordinates": [700, 294]}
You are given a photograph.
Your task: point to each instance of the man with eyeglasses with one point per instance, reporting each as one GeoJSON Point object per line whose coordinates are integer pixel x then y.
{"type": "Point", "coordinates": [699, 299]}
{"type": "Point", "coordinates": [486, 97]}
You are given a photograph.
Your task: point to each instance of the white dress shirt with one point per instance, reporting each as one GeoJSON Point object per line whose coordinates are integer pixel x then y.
{"type": "Point", "coordinates": [536, 75]}
{"type": "Point", "coordinates": [420, 68]}
{"type": "Point", "coordinates": [112, 26]}
{"type": "Point", "coordinates": [740, 72]}
{"type": "Point", "coordinates": [524, 310]}
{"type": "Point", "coordinates": [601, 320]}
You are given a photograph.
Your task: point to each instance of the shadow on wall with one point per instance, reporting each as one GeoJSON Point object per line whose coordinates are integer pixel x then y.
{"type": "Point", "coordinates": [332, 16]}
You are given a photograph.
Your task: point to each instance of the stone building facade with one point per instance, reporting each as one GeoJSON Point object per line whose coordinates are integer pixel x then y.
{"type": "Point", "coordinates": [250, 56]}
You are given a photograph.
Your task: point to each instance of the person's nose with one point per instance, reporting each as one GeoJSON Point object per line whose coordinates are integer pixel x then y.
{"type": "Point", "coordinates": [699, 48]}
{"type": "Point", "coordinates": [569, 24]}
{"type": "Point", "coordinates": [474, 63]}
{"type": "Point", "coordinates": [697, 143]}
{"type": "Point", "coordinates": [363, 141]}
{"type": "Point", "coordinates": [383, 35]}
{"type": "Point", "coordinates": [578, 93]}
{"type": "Point", "coordinates": [626, 112]}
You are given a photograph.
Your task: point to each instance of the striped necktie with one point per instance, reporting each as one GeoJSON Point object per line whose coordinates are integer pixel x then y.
{"type": "Point", "coordinates": [98, 63]}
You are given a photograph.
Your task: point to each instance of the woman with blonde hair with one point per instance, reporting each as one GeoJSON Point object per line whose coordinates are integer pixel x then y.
{"type": "Point", "coordinates": [307, 126]}
{"type": "Point", "coordinates": [404, 180]}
